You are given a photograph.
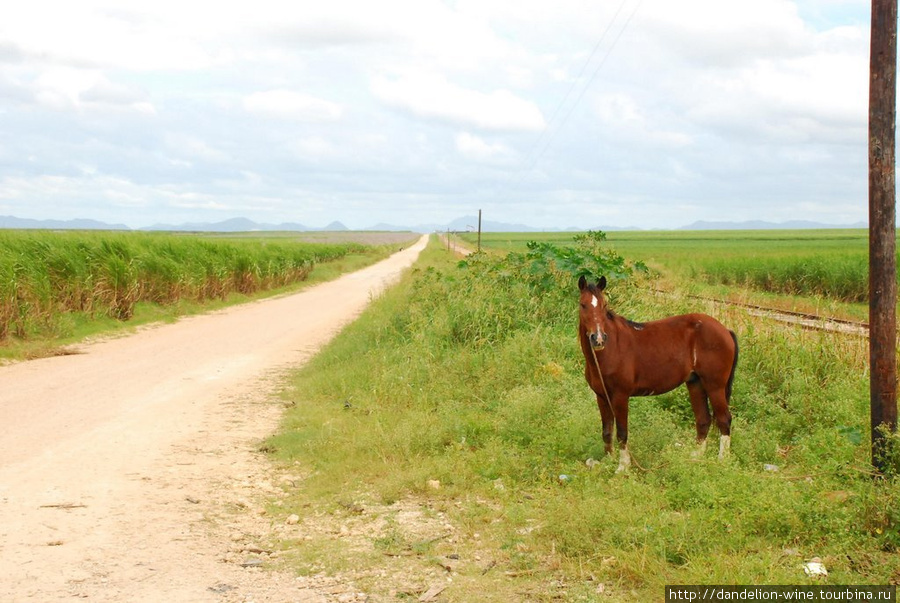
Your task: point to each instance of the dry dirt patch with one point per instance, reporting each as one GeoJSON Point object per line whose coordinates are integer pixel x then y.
{"type": "Point", "coordinates": [130, 471]}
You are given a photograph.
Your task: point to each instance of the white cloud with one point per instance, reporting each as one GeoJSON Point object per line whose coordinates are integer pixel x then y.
{"type": "Point", "coordinates": [751, 72]}
{"type": "Point", "coordinates": [716, 33]}
{"type": "Point", "coordinates": [70, 193]}
{"type": "Point", "coordinates": [422, 100]}
{"type": "Point", "coordinates": [194, 200]}
{"type": "Point", "coordinates": [192, 148]}
{"type": "Point", "coordinates": [622, 118]}
{"type": "Point", "coordinates": [60, 88]}
{"type": "Point", "coordinates": [473, 147]}
{"type": "Point", "coordinates": [293, 106]}
{"type": "Point", "coordinates": [106, 95]}
{"type": "Point", "coordinates": [313, 148]}
{"type": "Point", "coordinates": [433, 97]}
{"type": "Point", "coordinates": [819, 97]}
{"type": "Point", "coordinates": [72, 89]}
{"type": "Point", "coordinates": [95, 34]}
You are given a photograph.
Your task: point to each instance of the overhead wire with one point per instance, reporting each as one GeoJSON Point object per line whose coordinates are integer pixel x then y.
{"type": "Point", "coordinates": [577, 78]}
{"type": "Point", "coordinates": [540, 151]}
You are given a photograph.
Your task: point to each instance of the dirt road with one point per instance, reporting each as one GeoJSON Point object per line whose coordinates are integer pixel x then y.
{"type": "Point", "coordinates": [129, 471]}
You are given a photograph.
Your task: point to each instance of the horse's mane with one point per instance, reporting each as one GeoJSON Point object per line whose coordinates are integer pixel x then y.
{"type": "Point", "coordinates": [637, 326]}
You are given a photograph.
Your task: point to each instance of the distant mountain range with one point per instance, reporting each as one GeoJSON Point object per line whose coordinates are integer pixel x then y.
{"type": "Point", "coordinates": [241, 225]}
{"type": "Point", "coordinates": [232, 225]}
{"type": "Point", "coordinates": [460, 224]}
{"type": "Point", "coordinates": [467, 223]}
{"type": "Point", "coordinates": [762, 225]}
{"type": "Point", "coordinates": [13, 222]}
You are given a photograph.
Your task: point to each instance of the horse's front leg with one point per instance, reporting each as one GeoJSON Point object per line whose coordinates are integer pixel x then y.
{"type": "Point", "coordinates": [620, 409]}
{"type": "Point", "coordinates": [606, 417]}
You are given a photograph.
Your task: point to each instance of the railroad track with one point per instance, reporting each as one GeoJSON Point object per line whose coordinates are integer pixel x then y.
{"type": "Point", "coordinates": [801, 319]}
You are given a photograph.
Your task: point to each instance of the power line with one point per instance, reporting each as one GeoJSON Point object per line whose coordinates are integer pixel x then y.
{"type": "Point", "coordinates": [578, 77]}
{"type": "Point", "coordinates": [587, 85]}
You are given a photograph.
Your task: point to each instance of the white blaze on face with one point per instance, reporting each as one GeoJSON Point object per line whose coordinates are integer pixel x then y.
{"type": "Point", "coordinates": [594, 301]}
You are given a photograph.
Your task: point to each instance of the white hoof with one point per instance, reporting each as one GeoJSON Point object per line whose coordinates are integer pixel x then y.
{"type": "Point", "coordinates": [724, 446]}
{"type": "Point", "coordinates": [624, 461]}
{"type": "Point", "coordinates": [700, 451]}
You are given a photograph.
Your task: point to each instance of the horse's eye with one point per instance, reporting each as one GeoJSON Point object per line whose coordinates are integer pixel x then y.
{"type": "Point", "coordinates": [583, 307]}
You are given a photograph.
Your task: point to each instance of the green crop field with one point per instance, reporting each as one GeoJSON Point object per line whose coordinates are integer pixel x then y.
{"type": "Point", "coordinates": [456, 447]}
{"type": "Point", "coordinates": [51, 281]}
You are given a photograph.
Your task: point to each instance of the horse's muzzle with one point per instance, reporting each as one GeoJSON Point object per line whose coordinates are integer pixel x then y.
{"type": "Point", "coordinates": [598, 340]}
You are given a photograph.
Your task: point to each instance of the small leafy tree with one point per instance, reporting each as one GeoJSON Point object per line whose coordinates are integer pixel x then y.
{"type": "Point", "coordinates": [547, 267]}
{"type": "Point", "coordinates": [589, 257]}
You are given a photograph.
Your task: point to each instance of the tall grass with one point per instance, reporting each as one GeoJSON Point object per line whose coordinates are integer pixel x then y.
{"type": "Point", "coordinates": [840, 276]}
{"type": "Point", "coordinates": [474, 378]}
{"type": "Point", "coordinates": [46, 274]}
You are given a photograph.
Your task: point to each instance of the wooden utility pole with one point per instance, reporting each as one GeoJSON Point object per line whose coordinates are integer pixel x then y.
{"type": "Point", "coordinates": [882, 227]}
{"type": "Point", "coordinates": [479, 230]}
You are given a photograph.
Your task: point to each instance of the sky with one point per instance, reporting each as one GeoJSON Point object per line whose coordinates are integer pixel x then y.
{"type": "Point", "coordinates": [566, 114]}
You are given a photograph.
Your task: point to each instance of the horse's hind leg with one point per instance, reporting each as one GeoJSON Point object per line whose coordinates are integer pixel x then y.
{"type": "Point", "coordinates": [719, 403]}
{"type": "Point", "coordinates": [700, 404]}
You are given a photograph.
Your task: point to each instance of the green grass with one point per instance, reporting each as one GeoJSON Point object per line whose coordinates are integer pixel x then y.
{"type": "Point", "coordinates": [473, 379]}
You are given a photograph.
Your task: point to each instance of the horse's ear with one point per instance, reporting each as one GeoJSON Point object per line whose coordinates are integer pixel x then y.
{"type": "Point", "coordinates": [582, 283]}
{"type": "Point", "coordinates": [601, 283]}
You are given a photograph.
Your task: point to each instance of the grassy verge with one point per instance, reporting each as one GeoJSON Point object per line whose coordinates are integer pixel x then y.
{"type": "Point", "coordinates": [442, 440]}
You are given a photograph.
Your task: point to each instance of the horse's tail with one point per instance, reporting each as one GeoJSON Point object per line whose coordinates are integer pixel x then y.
{"type": "Point", "coordinates": [730, 383]}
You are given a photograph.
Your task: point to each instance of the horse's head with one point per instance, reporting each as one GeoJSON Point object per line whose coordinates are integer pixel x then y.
{"type": "Point", "coordinates": [592, 313]}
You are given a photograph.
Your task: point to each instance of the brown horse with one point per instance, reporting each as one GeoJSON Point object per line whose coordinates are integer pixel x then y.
{"type": "Point", "coordinates": [625, 358]}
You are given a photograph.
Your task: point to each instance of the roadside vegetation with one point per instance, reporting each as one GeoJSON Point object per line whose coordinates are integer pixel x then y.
{"type": "Point", "coordinates": [816, 271]}
{"type": "Point", "coordinates": [446, 442]}
{"type": "Point", "coordinates": [55, 285]}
